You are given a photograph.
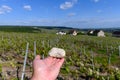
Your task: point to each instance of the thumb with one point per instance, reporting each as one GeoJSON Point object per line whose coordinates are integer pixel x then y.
{"type": "Point", "coordinates": [37, 57]}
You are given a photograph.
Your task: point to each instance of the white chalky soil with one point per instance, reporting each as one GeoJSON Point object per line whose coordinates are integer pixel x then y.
{"type": "Point", "coordinates": [57, 52]}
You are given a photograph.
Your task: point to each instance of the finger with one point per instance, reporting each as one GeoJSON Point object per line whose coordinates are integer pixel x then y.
{"type": "Point", "coordinates": [48, 58]}
{"type": "Point", "coordinates": [59, 62]}
{"type": "Point", "coordinates": [37, 57]}
{"type": "Point", "coordinates": [54, 60]}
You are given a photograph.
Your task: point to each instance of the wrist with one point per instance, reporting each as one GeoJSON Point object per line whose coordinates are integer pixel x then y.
{"type": "Point", "coordinates": [37, 78]}
{"type": "Point", "coordinates": [33, 78]}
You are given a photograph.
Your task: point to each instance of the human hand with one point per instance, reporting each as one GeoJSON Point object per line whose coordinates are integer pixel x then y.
{"type": "Point", "coordinates": [46, 69]}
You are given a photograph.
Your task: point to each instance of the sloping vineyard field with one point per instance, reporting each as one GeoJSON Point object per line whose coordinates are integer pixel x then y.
{"type": "Point", "coordinates": [87, 57]}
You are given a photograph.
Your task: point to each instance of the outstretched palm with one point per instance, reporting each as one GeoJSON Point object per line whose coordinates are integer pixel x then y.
{"type": "Point", "coordinates": [46, 69]}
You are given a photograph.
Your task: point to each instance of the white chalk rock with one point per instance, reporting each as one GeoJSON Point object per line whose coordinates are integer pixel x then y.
{"type": "Point", "coordinates": [57, 52]}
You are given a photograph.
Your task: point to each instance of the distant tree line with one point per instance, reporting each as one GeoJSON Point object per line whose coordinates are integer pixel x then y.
{"type": "Point", "coordinates": [18, 29]}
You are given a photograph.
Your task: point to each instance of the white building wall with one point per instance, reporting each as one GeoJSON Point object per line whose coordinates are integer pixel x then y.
{"type": "Point", "coordinates": [101, 34]}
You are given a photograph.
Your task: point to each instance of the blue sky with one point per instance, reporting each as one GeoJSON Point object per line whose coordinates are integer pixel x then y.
{"type": "Point", "coordinates": [71, 13]}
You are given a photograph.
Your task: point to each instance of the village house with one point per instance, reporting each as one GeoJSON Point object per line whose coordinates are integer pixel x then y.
{"type": "Point", "coordinates": [99, 33]}
{"type": "Point", "coordinates": [73, 32]}
{"type": "Point", "coordinates": [116, 34]}
{"type": "Point", "coordinates": [61, 33]}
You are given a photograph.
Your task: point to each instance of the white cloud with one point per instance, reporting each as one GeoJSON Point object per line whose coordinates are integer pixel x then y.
{"type": "Point", "coordinates": [5, 9]}
{"type": "Point", "coordinates": [96, 1]}
{"type": "Point", "coordinates": [71, 14]}
{"type": "Point", "coordinates": [67, 5]}
{"type": "Point", "coordinates": [27, 7]}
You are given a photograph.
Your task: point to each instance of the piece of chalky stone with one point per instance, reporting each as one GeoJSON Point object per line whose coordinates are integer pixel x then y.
{"type": "Point", "coordinates": [57, 52]}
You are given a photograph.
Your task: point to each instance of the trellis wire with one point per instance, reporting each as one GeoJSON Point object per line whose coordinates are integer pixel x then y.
{"type": "Point", "coordinates": [84, 50]}
{"type": "Point", "coordinates": [43, 56]}
{"type": "Point", "coordinates": [34, 48]}
{"type": "Point", "coordinates": [119, 50]}
{"type": "Point", "coordinates": [109, 60]}
{"type": "Point", "coordinates": [2, 37]}
{"type": "Point", "coordinates": [92, 55]}
{"type": "Point", "coordinates": [81, 50]}
{"type": "Point", "coordinates": [111, 50]}
{"type": "Point", "coordinates": [43, 43]}
{"type": "Point", "coordinates": [107, 50]}
{"type": "Point", "coordinates": [101, 45]}
{"type": "Point", "coordinates": [23, 72]}
{"type": "Point", "coordinates": [48, 43]}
